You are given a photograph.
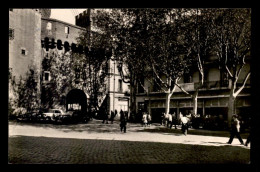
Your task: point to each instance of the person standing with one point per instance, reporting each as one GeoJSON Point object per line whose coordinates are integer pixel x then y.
{"type": "Point", "coordinates": [174, 119]}
{"type": "Point", "coordinates": [184, 124]}
{"type": "Point", "coordinates": [149, 119]}
{"type": "Point", "coordinates": [112, 117]}
{"type": "Point", "coordinates": [169, 124]}
{"type": "Point", "coordinates": [123, 121]}
{"type": "Point", "coordinates": [115, 112]}
{"type": "Point", "coordinates": [144, 119]}
{"type": "Point", "coordinates": [235, 129]}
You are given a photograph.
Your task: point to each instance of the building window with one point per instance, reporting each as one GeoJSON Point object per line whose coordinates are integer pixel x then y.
{"type": "Point", "coordinates": [23, 51]}
{"type": "Point", "coordinates": [120, 85]}
{"type": "Point", "coordinates": [156, 86]}
{"type": "Point", "coordinates": [11, 34]}
{"type": "Point", "coordinates": [46, 76]}
{"type": "Point", "coordinates": [49, 26]}
{"type": "Point", "coordinates": [67, 30]}
{"type": "Point", "coordinates": [187, 78]}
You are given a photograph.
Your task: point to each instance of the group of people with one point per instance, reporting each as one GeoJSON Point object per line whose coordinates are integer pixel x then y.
{"type": "Point", "coordinates": [106, 117]}
{"type": "Point", "coordinates": [169, 120]}
{"type": "Point", "coordinates": [123, 118]}
{"type": "Point", "coordinates": [146, 119]}
{"type": "Point", "coordinates": [235, 127]}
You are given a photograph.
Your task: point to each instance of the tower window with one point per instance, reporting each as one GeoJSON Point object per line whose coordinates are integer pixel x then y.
{"type": "Point", "coordinates": [46, 76]}
{"type": "Point", "coordinates": [23, 51]}
{"type": "Point", "coordinates": [67, 30]}
{"type": "Point", "coordinates": [49, 26]}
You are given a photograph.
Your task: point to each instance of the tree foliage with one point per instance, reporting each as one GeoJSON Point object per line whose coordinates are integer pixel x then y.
{"type": "Point", "coordinates": [97, 51]}
{"type": "Point", "coordinates": [25, 92]}
{"type": "Point", "coordinates": [233, 43]}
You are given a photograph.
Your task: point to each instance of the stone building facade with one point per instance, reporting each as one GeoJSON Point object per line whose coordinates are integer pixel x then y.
{"type": "Point", "coordinates": [24, 52]}
{"type": "Point", "coordinates": [24, 44]}
{"type": "Point", "coordinates": [28, 30]}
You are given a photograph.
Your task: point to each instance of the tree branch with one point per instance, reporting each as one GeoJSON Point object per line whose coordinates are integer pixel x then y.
{"type": "Point", "coordinates": [182, 89]}
{"type": "Point", "coordinates": [244, 83]}
{"type": "Point", "coordinates": [157, 76]}
{"type": "Point", "coordinates": [142, 85]}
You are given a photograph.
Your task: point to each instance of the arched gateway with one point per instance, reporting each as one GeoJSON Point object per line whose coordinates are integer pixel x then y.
{"type": "Point", "coordinates": [76, 100]}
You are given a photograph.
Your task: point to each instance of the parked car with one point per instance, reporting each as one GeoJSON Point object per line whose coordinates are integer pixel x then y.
{"type": "Point", "coordinates": [56, 115]}
{"type": "Point", "coordinates": [79, 116]}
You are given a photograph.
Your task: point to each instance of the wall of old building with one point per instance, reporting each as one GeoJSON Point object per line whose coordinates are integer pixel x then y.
{"type": "Point", "coordinates": [26, 25]}
{"type": "Point", "coordinates": [57, 30]}
{"type": "Point", "coordinates": [117, 99]}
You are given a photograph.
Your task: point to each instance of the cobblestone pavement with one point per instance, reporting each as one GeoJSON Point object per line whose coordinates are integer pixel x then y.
{"type": "Point", "coordinates": [97, 143]}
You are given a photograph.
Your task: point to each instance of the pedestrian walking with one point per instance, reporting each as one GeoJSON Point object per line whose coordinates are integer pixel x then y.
{"type": "Point", "coordinates": [149, 119]}
{"type": "Point", "coordinates": [112, 117]}
{"type": "Point", "coordinates": [235, 129]}
{"type": "Point", "coordinates": [144, 119]}
{"type": "Point", "coordinates": [169, 124]}
{"type": "Point", "coordinates": [123, 121]}
{"type": "Point", "coordinates": [184, 124]}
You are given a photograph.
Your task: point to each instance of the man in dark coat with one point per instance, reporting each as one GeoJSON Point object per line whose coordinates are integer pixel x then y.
{"type": "Point", "coordinates": [235, 129]}
{"type": "Point", "coordinates": [123, 121]}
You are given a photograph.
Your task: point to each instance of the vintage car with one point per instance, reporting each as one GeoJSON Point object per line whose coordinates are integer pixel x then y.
{"type": "Point", "coordinates": [56, 115]}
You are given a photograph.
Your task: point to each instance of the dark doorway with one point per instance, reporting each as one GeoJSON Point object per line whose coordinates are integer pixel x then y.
{"type": "Point", "coordinates": [76, 100]}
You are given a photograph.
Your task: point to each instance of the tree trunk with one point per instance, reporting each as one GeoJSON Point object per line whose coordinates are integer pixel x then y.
{"type": "Point", "coordinates": [231, 108]}
{"type": "Point", "coordinates": [167, 105]}
{"type": "Point", "coordinates": [195, 101]}
{"type": "Point", "coordinates": [133, 98]}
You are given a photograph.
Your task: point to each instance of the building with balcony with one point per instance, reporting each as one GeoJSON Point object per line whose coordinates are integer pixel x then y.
{"type": "Point", "coordinates": [212, 97]}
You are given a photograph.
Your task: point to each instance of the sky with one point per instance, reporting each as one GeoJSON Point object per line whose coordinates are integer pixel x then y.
{"type": "Point", "coordinates": [66, 15]}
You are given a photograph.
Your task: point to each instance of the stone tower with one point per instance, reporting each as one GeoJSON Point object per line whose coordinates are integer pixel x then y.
{"type": "Point", "coordinates": [45, 12]}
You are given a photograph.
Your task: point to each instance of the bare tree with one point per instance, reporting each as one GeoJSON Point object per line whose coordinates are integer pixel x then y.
{"type": "Point", "coordinates": [233, 45]}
